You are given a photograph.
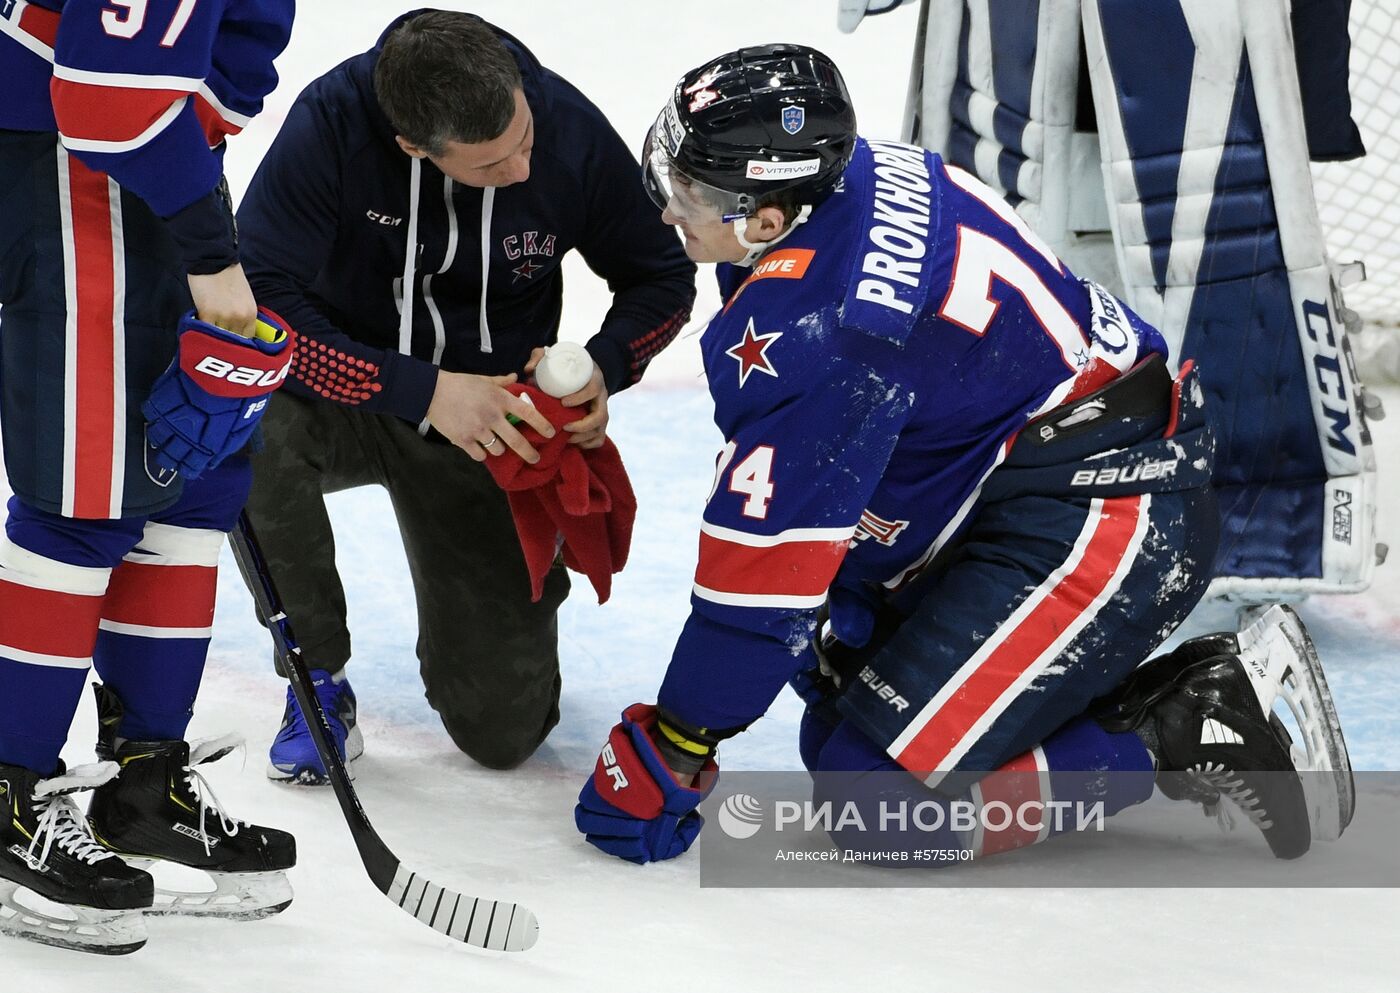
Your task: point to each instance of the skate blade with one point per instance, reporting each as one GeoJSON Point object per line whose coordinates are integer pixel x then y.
{"type": "Point", "coordinates": [235, 896]}
{"type": "Point", "coordinates": [26, 915]}
{"type": "Point", "coordinates": [1282, 663]}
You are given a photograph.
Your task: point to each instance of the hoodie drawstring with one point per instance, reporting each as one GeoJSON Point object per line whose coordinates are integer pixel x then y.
{"type": "Point", "coordinates": [448, 257]}
{"type": "Point", "coordinates": [488, 200]}
{"type": "Point", "coordinates": [410, 258]}
{"type": "Point", "coordinates": [410, 266]}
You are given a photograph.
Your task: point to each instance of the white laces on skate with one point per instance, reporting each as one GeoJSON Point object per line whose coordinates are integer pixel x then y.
{"type": "Point", "coordinates": [211, 750]}
{"type": "Point", "coordinates": [62, 824]}
{"type": "Point", "coordinates": [1221, 812]}
{"type": "Point", "coordinates": [208, 801]}
{"type": "Point", "coordinates": [1229, 784]}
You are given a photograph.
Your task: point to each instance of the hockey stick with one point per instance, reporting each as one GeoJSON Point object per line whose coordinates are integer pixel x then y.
{"type": "Point", "coordinates": [474, 920]}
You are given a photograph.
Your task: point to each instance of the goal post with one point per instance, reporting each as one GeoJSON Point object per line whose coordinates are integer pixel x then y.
{"type": "Point", "coordinates": [1359, 200]}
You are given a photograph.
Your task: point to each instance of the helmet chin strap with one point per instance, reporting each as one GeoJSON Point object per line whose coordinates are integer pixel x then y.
{"type": "Point", "coordinates": [756, 249]}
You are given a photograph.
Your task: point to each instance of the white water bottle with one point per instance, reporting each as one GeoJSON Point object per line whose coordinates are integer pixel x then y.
{"type": "Point", "coordinates": [565, 368]}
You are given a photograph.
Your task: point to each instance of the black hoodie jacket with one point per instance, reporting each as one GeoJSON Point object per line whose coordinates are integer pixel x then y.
{"type": "Point", "coordinates": [325, 225]}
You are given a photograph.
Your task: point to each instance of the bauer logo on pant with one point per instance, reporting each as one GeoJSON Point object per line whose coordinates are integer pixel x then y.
{"type": "Point", "coordinates": [882, 689]}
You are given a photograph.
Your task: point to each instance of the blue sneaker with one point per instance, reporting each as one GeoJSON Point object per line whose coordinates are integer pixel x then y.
{"type": "Point", "coordinates": [292, 757]}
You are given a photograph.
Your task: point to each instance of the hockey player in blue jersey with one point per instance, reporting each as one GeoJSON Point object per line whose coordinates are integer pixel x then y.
{"type": "Point", "coordinates": [135, 367]}
{"type": "Point", "coordinates": [961, 499]}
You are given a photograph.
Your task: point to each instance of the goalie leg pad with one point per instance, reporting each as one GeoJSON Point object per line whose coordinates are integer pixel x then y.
{"type": "Point", "coordinates": [1219, 244]}
{"type": "Point", "coordinates": [1204, 149]}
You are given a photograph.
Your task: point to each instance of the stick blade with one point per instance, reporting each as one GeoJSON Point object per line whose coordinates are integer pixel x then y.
{"type": "Point", "coordinates": [492, 924]}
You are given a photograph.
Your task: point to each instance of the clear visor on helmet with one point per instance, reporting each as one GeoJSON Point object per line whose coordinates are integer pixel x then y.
{"type": "Point", "coordinates": [687, 198]}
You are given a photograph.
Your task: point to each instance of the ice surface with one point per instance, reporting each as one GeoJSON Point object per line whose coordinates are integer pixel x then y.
{"type": "Point", "coordinates": [607, 925]}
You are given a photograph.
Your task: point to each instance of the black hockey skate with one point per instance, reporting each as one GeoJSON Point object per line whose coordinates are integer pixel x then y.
{"type": "Point", "coordinates": [161, 809]}
{"type": "Point", "coordinates": [46, 849]}
{"type": "Point", "coordinates": [1206, 713]}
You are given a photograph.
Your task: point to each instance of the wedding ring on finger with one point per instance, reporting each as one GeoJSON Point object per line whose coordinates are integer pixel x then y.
{"type": "Point", "coordinates": [495, 440]}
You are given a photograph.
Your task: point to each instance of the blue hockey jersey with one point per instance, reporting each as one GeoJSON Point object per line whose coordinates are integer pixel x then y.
{"type": "Point", "coordinates": [869, 373]}
{"type": "Point", "coordinates": [145, 90]}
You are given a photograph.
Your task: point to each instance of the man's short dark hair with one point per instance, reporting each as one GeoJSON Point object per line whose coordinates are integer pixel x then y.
{"type": "Point", "coordinates": [788, 201]}
{"type": "Point", "coordinates": [445, 76]}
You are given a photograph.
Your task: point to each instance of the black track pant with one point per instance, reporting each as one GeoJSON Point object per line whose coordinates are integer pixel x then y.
{"type": "Point", "coordinates": [488, 656]}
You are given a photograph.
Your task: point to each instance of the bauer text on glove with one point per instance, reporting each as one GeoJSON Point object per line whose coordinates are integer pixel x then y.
{"type": "Point", "coordinates": [632, 806]}
{"type": "Point", "coordinates": [208, 402]}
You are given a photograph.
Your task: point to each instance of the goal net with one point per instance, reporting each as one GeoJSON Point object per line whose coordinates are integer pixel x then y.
{"type": "Point", "coordinates": [1359, 201]}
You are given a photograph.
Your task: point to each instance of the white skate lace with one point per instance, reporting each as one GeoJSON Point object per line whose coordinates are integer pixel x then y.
{"type": "Point", "coordinates": [209, 802]}
{"type": "Point", "coordinates": [210, 750]}
{"type": "Point", "coordinates": [1229, 784]}
{"type": "Point", "coordinates": [62, 823]}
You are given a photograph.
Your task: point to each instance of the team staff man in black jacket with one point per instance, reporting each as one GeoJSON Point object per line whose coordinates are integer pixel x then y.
{"type": "Point", "coordinates": [409, 222]}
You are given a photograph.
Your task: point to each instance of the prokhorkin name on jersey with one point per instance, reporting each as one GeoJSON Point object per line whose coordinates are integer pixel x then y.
{"type": "Point", "coordinates": [900, 234]}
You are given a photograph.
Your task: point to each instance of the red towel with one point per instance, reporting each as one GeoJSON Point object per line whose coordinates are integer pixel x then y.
{"type": "Point", "coordinates": [574, 498]}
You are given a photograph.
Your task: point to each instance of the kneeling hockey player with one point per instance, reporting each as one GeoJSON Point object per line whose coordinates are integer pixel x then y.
{"type": "Point", "coordinates": [971, 467]}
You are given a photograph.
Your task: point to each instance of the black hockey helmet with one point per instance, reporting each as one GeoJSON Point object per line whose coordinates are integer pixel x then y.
{"type": "Point", "coordinates": [754, 121]}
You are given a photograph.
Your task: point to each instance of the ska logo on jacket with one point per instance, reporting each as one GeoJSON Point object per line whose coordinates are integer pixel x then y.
{"type": "Point", "coordinates": [752, 353]}
{"type": "Point", "coordinates": [525, 245]}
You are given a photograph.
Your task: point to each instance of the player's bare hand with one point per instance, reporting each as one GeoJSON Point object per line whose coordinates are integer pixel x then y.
{"type": "Point", "coordinates": [534, 360]}
{"type": "Point", "coordinates": [472, 412]}
{"type": "Point", "coordinates": [590, 430]}
{"type": "Point", "coordinates": [224, 299]}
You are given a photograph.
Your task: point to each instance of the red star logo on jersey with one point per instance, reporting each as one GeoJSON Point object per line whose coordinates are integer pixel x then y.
{"type": "Point", "coordinates": [752, 353]}
{"type": "Point", "coordinates": [526, 269]}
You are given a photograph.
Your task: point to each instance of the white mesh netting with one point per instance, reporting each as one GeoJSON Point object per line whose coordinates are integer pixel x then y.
{"type": "Point", "coordinates": [1359, 201]}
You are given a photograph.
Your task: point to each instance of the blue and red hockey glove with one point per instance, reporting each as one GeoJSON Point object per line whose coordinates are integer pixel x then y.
{"type": "Point", "coordinates": [208, 402]}
{"type": "Point", "coordinates": [632, 806]}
